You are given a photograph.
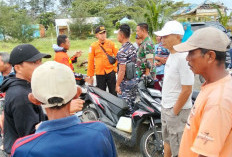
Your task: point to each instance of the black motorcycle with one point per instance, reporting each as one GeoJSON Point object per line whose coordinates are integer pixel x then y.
{"type": "Point", "coordinates": [145, 121]}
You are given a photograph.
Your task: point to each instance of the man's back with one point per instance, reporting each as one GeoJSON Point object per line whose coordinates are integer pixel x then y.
{"type": "Point", "coordinates": [67, 137]}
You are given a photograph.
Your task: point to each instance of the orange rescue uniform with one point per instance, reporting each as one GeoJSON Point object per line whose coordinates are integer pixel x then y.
{"type": "Point", "coordinates": [98, 61]}
{"type": "Point", "coordinates": [209, 128]}
{"type": "Point", "coordinates": [63, 58]}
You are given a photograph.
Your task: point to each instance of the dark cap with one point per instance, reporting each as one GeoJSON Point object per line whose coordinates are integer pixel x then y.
{"type": "Point", "coordinates": [100, 29]}
{"type": "Point", "coordinates": [26, 53]}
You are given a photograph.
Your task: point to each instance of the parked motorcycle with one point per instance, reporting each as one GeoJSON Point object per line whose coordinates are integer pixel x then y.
{"type": "Point", "coordinates": [145, 121]}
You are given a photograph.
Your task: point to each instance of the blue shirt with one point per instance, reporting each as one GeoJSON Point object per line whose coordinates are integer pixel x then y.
{"type": "Point", "coordinates": [67, 137]}
{"type": "Point", "coordinates": [160, 51]}
{"type": "Point", "coordinates": [2, 77]}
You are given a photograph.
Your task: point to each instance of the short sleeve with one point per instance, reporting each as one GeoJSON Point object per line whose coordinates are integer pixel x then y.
{"type": "Point", "coordinates": [122, 58]}
{"type": "Point", "coordinates": [214, 128]}
{"type": "Point", "coordinates": [149, 51]}
{"type": "Point", "coordinates": [186, 75]}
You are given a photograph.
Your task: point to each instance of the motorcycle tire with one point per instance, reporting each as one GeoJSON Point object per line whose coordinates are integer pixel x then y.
{"type": "Point", "coordinates": [148, 146]}
{"type": "Point", "coordinates": [89, 114]}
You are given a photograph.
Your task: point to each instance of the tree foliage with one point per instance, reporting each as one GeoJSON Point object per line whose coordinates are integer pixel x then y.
{"type": "Point", "coordinates": [222, 18]}
{"type": "Point", "coordinates": [15, 23]}
{"type": "Point", "coordinates": [47, 19]}
{"type": "Point", "coordinates": [154, 15]}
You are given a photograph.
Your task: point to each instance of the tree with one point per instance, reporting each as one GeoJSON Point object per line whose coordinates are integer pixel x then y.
{"type": "Point", "coordinates": [153, 15]}
{"type": "Point", "coordinates": [15, 23]}
{"type": "Point", "coordinates": [47, 19]}
{"type": "Point", "coordinates": [222, 18]}
{"type": "Point", "coordinates": [35, 8]}
{"type": "Point", "coordinates": [5, 15]}
{"type": "Point", "coordinates": [66, 3]}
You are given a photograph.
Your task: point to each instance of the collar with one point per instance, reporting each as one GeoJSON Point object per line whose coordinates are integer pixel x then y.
{"type": "Point", "coordinates": [213, 84]}
{"type": "Point", "coordinates": [125, 44]}
{"type": "Point", "coordinates": [51, 125]}
{"type": "Point", "coordinates": [146, 39]}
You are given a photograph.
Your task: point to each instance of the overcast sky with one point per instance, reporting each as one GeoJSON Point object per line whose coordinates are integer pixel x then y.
{"type": "Point", "coordinates": [227, 3]}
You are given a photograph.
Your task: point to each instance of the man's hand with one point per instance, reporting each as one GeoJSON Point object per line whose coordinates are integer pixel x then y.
{"type": "Point", "coordinates": [76, 105]}
{"type": "Point", "coordinates": [89, 80]}
{"type": "Point", "coordinates": [118, 90]}
{"type": "Point", "coordinates": [78, 54]}
{"type": "Point", "coordinates": [163, 60]}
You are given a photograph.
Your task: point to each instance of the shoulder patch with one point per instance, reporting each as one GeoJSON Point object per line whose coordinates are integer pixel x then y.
{"type": "Point", "coordinates": [21, 141]}
{"type": "Point", "coordinates": [90, 49]}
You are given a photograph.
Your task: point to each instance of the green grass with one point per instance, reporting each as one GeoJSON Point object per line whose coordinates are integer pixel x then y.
{"type": "Point", "coordinates": [44, 45]}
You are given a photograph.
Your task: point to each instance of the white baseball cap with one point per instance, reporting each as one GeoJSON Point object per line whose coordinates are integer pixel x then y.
{"type": "Point", "coordinates": [207, 38]}
{"type": "Point", "coordinates": [53, 79]}
{"type": "Point", "coordinates": [171, 27]}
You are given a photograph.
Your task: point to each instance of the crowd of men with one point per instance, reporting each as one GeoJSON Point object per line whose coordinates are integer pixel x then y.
{"type": "Point", "coordinates": [202, 129]}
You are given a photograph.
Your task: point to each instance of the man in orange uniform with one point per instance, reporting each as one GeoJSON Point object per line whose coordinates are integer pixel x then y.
{"type": "Point", "coordinates": [99, 63]}
{"type": "Point", "coordinates": [61, 55]}
{"type": "Point", "coordinates": [208, 132]}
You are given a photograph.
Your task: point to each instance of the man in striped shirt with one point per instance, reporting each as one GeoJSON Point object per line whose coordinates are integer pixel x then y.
{"type": "Point", "coordinates": [125, 86]}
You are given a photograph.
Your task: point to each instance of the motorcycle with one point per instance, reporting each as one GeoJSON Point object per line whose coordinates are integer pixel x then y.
{"type": "Point", "coordinates": [145, 122]}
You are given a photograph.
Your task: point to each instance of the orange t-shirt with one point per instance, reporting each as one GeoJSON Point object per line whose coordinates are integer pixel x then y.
{"type": "Point", "coordinates": [98, 61]}
{"type": "Point", "coordinates": [209, 127]}
{"type": "Point", "coordinates": [62, 57]}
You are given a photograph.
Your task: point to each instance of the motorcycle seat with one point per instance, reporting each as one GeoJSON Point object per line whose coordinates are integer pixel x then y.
{"type": "Point", "coordinates": [111, 98]}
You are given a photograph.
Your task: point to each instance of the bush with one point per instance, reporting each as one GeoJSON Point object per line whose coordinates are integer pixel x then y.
{"type": "Point", "coordinates": [80, 30]}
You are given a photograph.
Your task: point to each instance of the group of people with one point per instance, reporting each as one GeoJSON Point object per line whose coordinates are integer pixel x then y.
{"type": "Point", "coordinates": [202, 129]}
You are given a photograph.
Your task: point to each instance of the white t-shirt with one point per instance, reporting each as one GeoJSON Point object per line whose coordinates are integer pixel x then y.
{"type": "Point", "coordinates": [176, 74]}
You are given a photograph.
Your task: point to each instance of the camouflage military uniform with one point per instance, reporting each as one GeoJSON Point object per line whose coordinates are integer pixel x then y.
{"type": "Point", "coordinates": [127, 53]}
{"type": "Point", "coordinates": [146, 51]}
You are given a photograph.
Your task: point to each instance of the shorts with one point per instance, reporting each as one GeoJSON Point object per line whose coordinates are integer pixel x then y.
{"type": "Point", "coordinates": [173, 127]}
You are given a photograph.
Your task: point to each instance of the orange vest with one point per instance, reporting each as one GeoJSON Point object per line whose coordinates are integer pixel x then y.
{"type": "Point", "coordinates": [62, 57]}
{"type": "Point", "coordinates": [98, 61]}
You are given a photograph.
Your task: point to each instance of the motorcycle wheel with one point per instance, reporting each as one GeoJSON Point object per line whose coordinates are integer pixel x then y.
{"type": "Point", "coordinates": [89, 114]}
{"type": "Point", "coordinates": [149, 146]}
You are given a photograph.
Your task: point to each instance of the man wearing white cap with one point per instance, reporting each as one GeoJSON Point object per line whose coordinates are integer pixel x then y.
{"type": "Point", "coordinates": [54, 87]}
{"type": "Point", "coordinates": [176, 91]}
{"type": "Point", "coordinates": [208, 132]}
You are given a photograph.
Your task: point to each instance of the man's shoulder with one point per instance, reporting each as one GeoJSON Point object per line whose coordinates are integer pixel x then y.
{"type": "Point", "coordinates": [109, 41]}
{"type": "Point", "coordinates": [148, 41]}
{"type": "Point", "coordinates": [61, 54]}
{"type": "Point", "coordinates": [95, 125]}
{"type": "Point", "coordinates": [220, 94]}
{"type": "Point", "coordinates": [21, 144]}
{"type": "Point", "coordinates": [95, 44]}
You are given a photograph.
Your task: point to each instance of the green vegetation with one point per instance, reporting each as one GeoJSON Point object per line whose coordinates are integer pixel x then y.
{"type": "Point", "coordinates": [44, 45]}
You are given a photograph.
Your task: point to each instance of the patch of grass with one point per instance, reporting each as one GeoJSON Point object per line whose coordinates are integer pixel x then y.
{"type": "Point", "coordinates": [44, 45]}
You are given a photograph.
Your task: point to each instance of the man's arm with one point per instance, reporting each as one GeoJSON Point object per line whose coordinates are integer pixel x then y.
{"type": "Point", "coordinates": [90, 69]}
{"type": "Point", "coordinates": [121, 74]}
{"type": "Point", "coordinates": [148, 69]}
{"type": "Point", "coordinates": [25, 117]}
{"type": "Point", "coordinates": [182, 99]}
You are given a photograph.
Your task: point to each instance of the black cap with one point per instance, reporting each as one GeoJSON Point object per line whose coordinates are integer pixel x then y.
{"type": "Point", "coordinates": [26, 53]}
{"type": "Point", "coordinates": [100, 29]}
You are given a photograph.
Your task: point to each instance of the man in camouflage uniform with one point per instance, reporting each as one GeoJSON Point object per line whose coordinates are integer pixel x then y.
{"type": "Point", "coordinates": [146, 51]}
{"type": "Point", "coordinates": [126, 87]}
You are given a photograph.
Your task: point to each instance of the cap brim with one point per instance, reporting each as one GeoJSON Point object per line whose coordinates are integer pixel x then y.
{"type": "Point", "coordinates": [102, 31]}
{"type": "Point", "coordinates": [37, 57]}
{"type": "Point", "coordinates": [161, 33]}
{"type": "Point", "coordinates": [184, 47]}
